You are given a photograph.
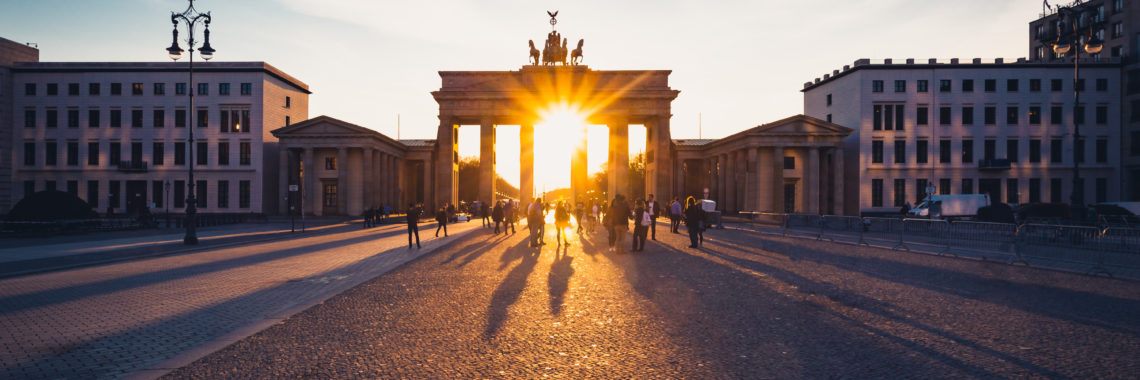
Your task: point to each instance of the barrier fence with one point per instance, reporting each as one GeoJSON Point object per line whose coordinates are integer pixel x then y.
{"type": "Point", "coordinates": [1101, 247]}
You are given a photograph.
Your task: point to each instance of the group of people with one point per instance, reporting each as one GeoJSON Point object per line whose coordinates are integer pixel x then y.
{"type": "Point", "coordinates": [376, 215]}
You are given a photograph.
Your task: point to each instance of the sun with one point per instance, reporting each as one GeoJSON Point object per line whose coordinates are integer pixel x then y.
{"type": "Point", "coordinates": [561, 131]}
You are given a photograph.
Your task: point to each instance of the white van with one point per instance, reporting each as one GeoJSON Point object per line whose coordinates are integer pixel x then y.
{"type": "Point", "coordinates": [950, 206]}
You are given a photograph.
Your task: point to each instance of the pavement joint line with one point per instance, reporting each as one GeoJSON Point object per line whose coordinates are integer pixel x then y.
{"type": "Point", "coordinates": [187, 357]}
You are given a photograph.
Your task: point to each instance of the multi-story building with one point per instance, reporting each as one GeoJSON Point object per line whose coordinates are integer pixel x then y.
{"type": "Point", "coordinates": [1117, 23]}
{"type": "Point", "coordinates": [10, 52]}
{"type": "Point", "coordinates": [116, 133]}
{"type": "Point", "coordinates": [1005, 129]}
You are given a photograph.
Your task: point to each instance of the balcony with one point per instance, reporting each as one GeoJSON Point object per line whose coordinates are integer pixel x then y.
{"type": "Point", "coordinates": [132, 166]}
{"type": "Point", "coordinates": [994, 164]}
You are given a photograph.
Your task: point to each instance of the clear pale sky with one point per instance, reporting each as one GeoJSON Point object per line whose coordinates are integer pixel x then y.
{"type": "Point", "coordinates": [737, 63]}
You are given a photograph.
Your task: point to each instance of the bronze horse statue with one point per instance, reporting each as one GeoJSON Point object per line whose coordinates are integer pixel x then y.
{"type": "Point", "coordinates": [534, 54]}
{"type": "Point", "coordinates": [576, 56]}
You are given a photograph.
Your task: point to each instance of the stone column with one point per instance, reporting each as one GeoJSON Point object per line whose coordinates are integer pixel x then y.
{"type": "Point", "coordinates": [811, 172]}
{"type": "Point", "coordinates": [342, 181]}
{"type": "Point", "coordinates": [752, 200]}
{"type": "Point", "coordinates": [447, 170]}
{"type": "Point", "coordinates": [368, 178]}
{"type": "Point", "coordinates": [778, 178]}
{"type": "Point", "coordinates": [284, 172]}
{"type": "Point", "coordinates": [722, 182]}
{"type": "Point", "coordinates": [487, 161]}
{"type": "Point", "coordinates": [619, 158]}
{"type": "Point", "coordinates": [679, 173]}
{"type": "Point", "coordinates": [391, 177]}
{"type": "Point", "coordinates": [837, 181]}
{"type": "Point", "coordinates": [399, 191]}
{"type": "Point", "coordinates": [764, 180]}
{"type": "Point", "coordinates": [311, 192]}
{"type": "Point", "coordinates": [730, 204]}
{"type": "Point", "coordinates": [526, 164]}
{"type": "Point", "coordinates": [660, 159]}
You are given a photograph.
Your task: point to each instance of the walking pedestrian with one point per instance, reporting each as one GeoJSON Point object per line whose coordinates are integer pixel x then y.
{"type": "Point", "coordinates": [594, 209]}
{"type": "Point", "coordinates": [693, 217]}
{"type": "Point", "coordinates": [533, 221]}
{"type": "Point", "coordinates": [561, 222]}
{"type": "Point", "coordinates": [579, 215]}
{"type": "Point", "coordinates": [367, 214]}
{"type": "Point", "coordinates": [675, 211]}
{"type": "Point", "coordinates": [497, 216]}
{"type": "Point", "coordinates": [509, 216]}
{"type": "Point", "coordinates": [642, 220]}
{"type": "Point", "coordinates": [441, 220]}
{"type": "Point", "coordinates": [608, 224]}
{"type": "Point", "coordinates": [651, 207]}
{"type": "Point", "coordinates": [413, 225]}
{"type": "Point", "coordinates": [484, 212]}
{"type": "Point", "coordinates": [620, 218]}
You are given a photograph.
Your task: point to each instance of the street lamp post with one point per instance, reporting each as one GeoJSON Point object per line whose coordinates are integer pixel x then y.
{"type": "Point", "coordinates": [191, 17]}
{"type": "Point", "coordinates": [1069, 33]}
{"type": "Point", "coordinates": [166, 200]}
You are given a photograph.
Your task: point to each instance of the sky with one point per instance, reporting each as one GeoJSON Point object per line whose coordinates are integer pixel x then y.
{"type": "Point", "coordinates": [738, 64]}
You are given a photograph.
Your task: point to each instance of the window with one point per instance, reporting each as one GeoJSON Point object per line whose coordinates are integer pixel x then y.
{"type": "Point", "coordinates": [223, 153]}
{"type": "Point", "coordinates": [116, 118]}
{"type": "Point", "coordinates": [876, 192]}
{"type": "Point", "coordinates": [179, 194]}
{"type": "Point", "coordinates": [223, 88]}
{"type": "Point", "coordinates": [1056, 115]}
{"type": "Point", "coordinates": [944, 151]}
{"type": "Point", "coordinates": [203, 153]}
{"type": "Point", "coordinates": [1011, 115]}
{"type": "Point", "coordinates": [921, 151]}
{"type": "Point", "coordinates": [877, 117]}
{"type": "Point", "coordinates": [1101, 84]}
{"type": "Point", "coordinates": [72, 153]}
{"type": "Point", "coordinates": [179, 118]}
{"type": "Point", "coordinates": [789, 162]}
{"type": "Point", "coordinates": [116, 88]}
{"type": "Point", "coordinates": [1035, 85]}
{"type": "Point", "coordinates": [889, 116]}
{"type": "Point", "coordinates": [1035, 150]}
{"type": "Point", "coordinates": [1081, 85]}
{"type": "Point", "coordinates": [243, 194]}
{"type": "Point", "coordinates": [967, 151]}
{"type": "Point", "coordinates": [1056, 85]}
{"type": "Point", "coordinates": [1034, 190]}
{"type": "Point", "coordinates": [1012, 150]}
{"type": "Point", "coordinates": [93, 118]}
{"type": "Point", "coordinates": [223, 194]}
{"type": "Point", "coordinates": [876, 86]}
{"type": "Point", "coordinates": [203, 118]}
{"type": "Point", "coordinates": [922, 85]}
{"type": "Point", "coordinates": [1117, 6]}
{"type": "Point", "coordinates": [1101, 151]}
{"type": "Point", "coordinates": [329, 195]}
{"type": "Point", "coordinates": [828, 118]}
{"type": "Point", "coordinates": [136, 118]}
{"type": "Point", "coordinates": [899, 119]}
{"type": "Point", "coordinates": [180, 89]}
{"type": "Point", "coordinates": [922, 115]}
{"type": "Point", "coordinates": [51, 118]}
{"type": "Point", "coordinates": [72, 118]}
{"type": "Point", "coordinates": [1011, 195]}
{"type": "Point", "coordinates": [93, 89]}
{"type": "Point", "coordinates": [115, 152]}
{"type": "Point", "coordinates": [244, 153]}
{"type": "Point", "coordinates": [1101, 190]}
{"type": "Point", "coordinates": [1101, 114]}
{"type": "Point", "coordinates": [136, 88]}
{"type": "Point", "coordinates": [247, 89]}
{"type": "Point", "coordinates": [160, 88]}
{"type": "Point", "coordinates": [1034, 115]}
{"type": "Point", "coordinates": [877, 151]}
{"type": "Point", "coordinates": [829, 99]}
{"type": "Point", "coordinates": [157, 195]}
{"type": "Point", "coordinates": [967, 85]}
{"type": "Point", "coordinates": [203, 89]}
{"type": "Point", "coordinates": [989, 149]}
{"type": "Point", "coordinates": [287, 120]}
{"type": "Point", "coordinates": [29, 89]}
{"type": "Point", "coordinates": [200, 194]}
{"type": "Point", "coordinates": [989, 114]}
{"type": "Point", "coordinates": [159, 118]}
{"type": "Point", "coordinates": [51, 155]}
{"type": "Point", "coordinates": [944, 85]}
{"type": "Point", "coordinates": [30, 118]}
{"type": "Point", "coordinates": [1011, 85]}
{"type": "Point", "coordinates": [1056, 155]}
{"type": "Point", "coordinates": [158, 153]}
{"type": "Point", "coordinates": [944, 115]}
{"type": "Point", "coordinates": [179, 153]}
{"type": "Point", "coordinates": [289, 101]}
{"type": "Point", "coordinates": [990, 85]}
{"type": "Point", "coordinates": [967, 115]}
{"type": "Point", "coordinates": [73, 89]}
{"type": "Point", "coordinates": [1117, 29]}
{"type": "Point", "coordinates": [967, 185]}
{"type": "Point", "coordinates": [900, 151]}
{"type": "Point", "coordinates": [234, 119]}
{"type": "Point", "coordinates": [1055, 190]}
{"type": "Point", "coordinates": [1079, 114]}
{"type": "Point", "coordinates": [93, 153]}
{"type": "Point", "coordinates": [93, 193]}
{"type": "Point", "coordinates": [900, 86]}
{"type": "Point", "coordinates": [900, 192]}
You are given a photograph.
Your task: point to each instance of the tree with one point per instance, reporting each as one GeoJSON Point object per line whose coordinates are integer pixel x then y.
{"type": "Point", "coordinates": [636, 178]}
{"type": "Point", "coordinates": [469, 181]}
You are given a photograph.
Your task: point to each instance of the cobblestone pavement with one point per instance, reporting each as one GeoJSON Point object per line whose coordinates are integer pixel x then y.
{"type": "Point", "coordinates": [118, 319]}
{"type": "Point", "coordinates": [745, 305]}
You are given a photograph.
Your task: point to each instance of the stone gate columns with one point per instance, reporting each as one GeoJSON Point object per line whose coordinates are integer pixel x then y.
{"type": "Point", "coordinates": [310, 191]}
{"type": "Point", "coordinates": [811, 172]}
{"type": "Point", "coordinates": [579, 176]}
{"type": "Point", "coordinates": [447, 169]}
{"type": "Point", "coordinates": [752, 195]}
{"type": "Point", "coordinates": [619, 158]}
{"type": "Point", "coordinates": [526, 163]}
{"type": "Point", "coordinates": [487, 161]}
{"type": "Point", "coordinates": [765, 172]}
{"type": "Point", "coordinates": [659, 158]}
{"type": "Point", "coordinates": [342, 181]}
{"type": "Point", "coordinates": [837, 182]}
{"type": "Point", "coordinates": [730, 203]}
{"type": "Point", "coordinates": [285, 172]}
{"type": "Point", "coordinates": [722, 181]}
{"type": "Point", "coordinates": [368, 177]}
{"type": "Point", "coordinates": [778, 179]}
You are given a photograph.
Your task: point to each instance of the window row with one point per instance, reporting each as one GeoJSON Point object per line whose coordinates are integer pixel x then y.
{"type": "Point", "coordinates": [135, 156]}
{"type": "Point", "coordinates": [150, 193]}
{"type": "Point", "coordinates": [965, 151]}
{"type": "Point", "coordinates": [989, 85]}
{"type": "Point", "coordinates": [96, 89]}
{"type": "Point", "coordinates": [892, 116]}
{"type": "Point", "coordinates": [231, 119]}
{"type": "Point", "coordinates": [992, 186]}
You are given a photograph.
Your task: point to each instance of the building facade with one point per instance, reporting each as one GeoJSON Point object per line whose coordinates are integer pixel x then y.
{"type": "Point", "coordinates": [1005, 129]}
{"type": "Point", "coordinates": [1117, 23]}
{"type": "Point", "coordinates": [115, 134]}
{"type": "Point", "coordinates": [10, 53]}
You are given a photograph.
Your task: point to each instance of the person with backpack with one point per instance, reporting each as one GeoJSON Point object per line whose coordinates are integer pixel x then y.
{"type": "Point", "coordinates": [441, 220]}
{"type": "Point", "coordinates": [651, 206]}
{"type": "Point", "coordinates": [497, 216]}
{"type": "Point", "coordinates": [694, 215]}
{"type": "Point", "coordinates": [675, 211]}
{"type": "Point", "coordinates": [561, 222]}
{"type": "Point", "coordinates": [534, 221]}
{"type": "Point", "coordinates": [579, 215]}
{"type": "Point", "coordinates": [413, 224]}
{"type": "Point", "coordinates": [642, 220]}
{"type": "Point", "coordinates": [510, 216]}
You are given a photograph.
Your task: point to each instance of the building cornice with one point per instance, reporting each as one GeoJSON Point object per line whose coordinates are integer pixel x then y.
{"type": "Point", "coordinates": [159, 67]}
{"type": "Point", "coordinates": [976, 63]}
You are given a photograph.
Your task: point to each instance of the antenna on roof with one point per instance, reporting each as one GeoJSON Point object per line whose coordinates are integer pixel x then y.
{"type": "Point", "coordinates": [397, 126]}
{"type": "Point", "coordinates": [700, 127]}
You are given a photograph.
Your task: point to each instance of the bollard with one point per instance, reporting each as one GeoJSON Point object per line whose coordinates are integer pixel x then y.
{"type": "Point", "coordinates": [902, 234]}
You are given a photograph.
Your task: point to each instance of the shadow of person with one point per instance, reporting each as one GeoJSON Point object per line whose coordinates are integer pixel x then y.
{"type": "Point", "coordinates": [559, 281]}
{"type": "Point", "coordinates": [507, 293]}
